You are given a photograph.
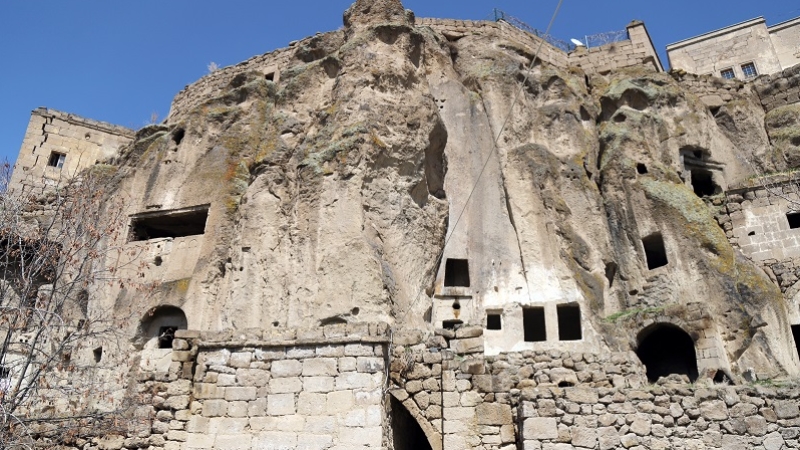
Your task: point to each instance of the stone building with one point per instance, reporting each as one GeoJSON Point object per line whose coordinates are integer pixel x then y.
{"type": "Point", "coordinates": [744, 50]}
{"type": "Point", "coordinates": [346, 252]}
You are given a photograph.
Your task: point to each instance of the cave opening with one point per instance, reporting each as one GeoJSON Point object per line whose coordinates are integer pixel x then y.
{"type": "Point", "coordinates": [654, 251]}
{"type": "Point", "coordinates": [703, 183]}
{"type": "Point", "coordinates": [666, 349]}
{"type": "Point", "coordinates": [406, 432]}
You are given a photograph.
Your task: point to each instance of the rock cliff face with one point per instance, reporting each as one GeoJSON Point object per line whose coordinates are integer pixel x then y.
{"type": "Point", "coordinates": [339, 193]}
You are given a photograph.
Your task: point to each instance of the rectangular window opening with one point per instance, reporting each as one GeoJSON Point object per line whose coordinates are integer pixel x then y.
{"type": "Point", "coordinates": [749, 70]}
{"type": "Point", "coordinates": [569, 323]}
{"type": "Point", "coordinates": [794, 220]}
{"type": "Point", "coordinates": [728, 74]}
{"type": "Point", "coordinates": [5, 372]}
{"type": "Point", "coordinates": [98, 354]}
{"type": "Point", "coordinates": [654, 251]}
{"type": "Point", "coordinates": [533, 324]}
{"type": "Point", "coordinates": [56, 160]}
{"type": "Point", "coordinates": [169, 224]}
{"type": "Point", "coordinates": [270, 76]}
{"type": "Point", "coordinates": [494, 321]}
{"type": "Point", "coordinates": [452, 324]}
{"type": "Point", "coordinates": [456, 272]}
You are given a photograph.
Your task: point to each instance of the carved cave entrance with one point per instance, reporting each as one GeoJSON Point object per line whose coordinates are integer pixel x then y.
{"type": "Point", "coordinates": [161, 323]}
{"type": "Point", "coordinates": [665, 349]}
{"type": "Point", "coordinates": [406, 432]}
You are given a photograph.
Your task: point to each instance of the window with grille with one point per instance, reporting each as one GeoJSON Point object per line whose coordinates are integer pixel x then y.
{"type": "Point", "coordinates": [728, 74]}
{"type": "Point", "coordinates": [749, 70]}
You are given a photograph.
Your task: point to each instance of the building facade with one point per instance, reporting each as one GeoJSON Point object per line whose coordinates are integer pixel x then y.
{"type": "Point", "coordinates": [744, 50]}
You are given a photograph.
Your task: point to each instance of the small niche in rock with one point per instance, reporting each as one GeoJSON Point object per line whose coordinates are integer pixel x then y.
{"type": "Point", "coordinates": [714, 110]}
{"type": "Point", "coordinates": [157, 261]}
{"type": "Point", "coordinates": [566, 384]}
{"type": "Point", "coordinates": [641, 169]}
{"type": "Point", "coordinates": [654, 251]}
{"type": "Point", "coordinates": [270, 76]}
{"type": "Point", "coordinates": [720, 377]}
{"type": "Point", "coordinates": [794, 220]}
{"type": "Point", "coordinates": [494, 321]}
{"type": "Point", "coordinates": [752, 233]}
{"type": "Point", "coordinates": [98, 354]}
{"type": "Point", "coordinates": [533, 324]}
{"type": "Point", "coordinates": [611, 273]}
{"type": "Point", "coordinates": [620, 117]}
{"type": "Point", "coordinates": [177, 136]}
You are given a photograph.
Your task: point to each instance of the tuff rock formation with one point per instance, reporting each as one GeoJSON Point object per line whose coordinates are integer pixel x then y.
{"type": "Point", "coordinates": [338, 193]}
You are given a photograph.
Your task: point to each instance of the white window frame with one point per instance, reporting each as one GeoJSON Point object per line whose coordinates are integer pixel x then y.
{"type": "Point", "coordinates": [722, 73]}
{"type": "Point", "coordinates": [755, 69]}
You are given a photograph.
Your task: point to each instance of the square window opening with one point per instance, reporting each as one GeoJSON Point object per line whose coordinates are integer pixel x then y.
{"type": "Point", "coordinates": [654, 251]}
{"type": "Point", "coordinates": [456, 273]}
{"type": "Point", "coordinates": [494, 321]}
{"type": "Point", "coordinates": [169, 224]}
{"type": "Point", "coordinates": [534, 325]}
{"type": "Point", "coordinates": [749, 70]}
{"type": "Point", "coordinates": [56, 160]}
{"type": "Point", "coordinates": [728, 74]}
{"type": "Point", "coordinates": [452, 324]}
{"type": "Point", "coordinates": [569, 323]}
{"type": "Point", "coordinates": [794, 220]}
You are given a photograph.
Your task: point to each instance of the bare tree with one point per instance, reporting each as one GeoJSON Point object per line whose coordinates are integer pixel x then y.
{"type": "Point", "coordinates": [53, 258]}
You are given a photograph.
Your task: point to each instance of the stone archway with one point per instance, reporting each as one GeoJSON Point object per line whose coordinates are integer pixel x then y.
{"type": "Point", "coordinates": [410, 430]}
{"type": "Point", "coordinates": [666, 349]}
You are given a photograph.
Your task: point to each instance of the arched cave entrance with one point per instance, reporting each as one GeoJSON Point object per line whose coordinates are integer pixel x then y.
{"type": "Point", "coordinates": [161, 323]}
{"type": "Point", "coordinates": [406, 432]}
{"type": "Point", "coordinates": [666, 349]}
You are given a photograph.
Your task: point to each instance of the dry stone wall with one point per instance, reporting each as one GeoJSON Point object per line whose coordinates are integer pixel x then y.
{"type": "Point", "coordinates": [660, 417]}
{"type": "Point", "coordinates": [779, 89]}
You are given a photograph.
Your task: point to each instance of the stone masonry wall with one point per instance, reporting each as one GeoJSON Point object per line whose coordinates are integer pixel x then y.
{"type": "Point", "coordinates": [321, 389]}
{"type": "Point", "coordinates": [637, 50]}
{"type": "Point", "coordinates": [779, 89]}
{"type": "Point", "coordinates": [452, 28]}
{"type": "Point", "coordinates": [82, 141]}
{"type": "Point", "coordinates": [661, 417]}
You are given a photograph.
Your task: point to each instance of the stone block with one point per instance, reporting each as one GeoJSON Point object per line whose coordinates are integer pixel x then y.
{"type": "Point", "coordinates": [237, 409]}
{"type": "Point", "coordinates": [493, 414]}
{"type": "Point", "coordinates": [370, 364]}
{"type": "Point", "coordinates": [240, 359]}
{"type": "Point", "coordinates": [464, 346]}
{"type": "Point", "coordinates": [339, 401]}
{"type": "Point", "coordinates": [240, 393]}
{"type": "Point", "coordinates": [318, 384]}
{"type": "Point", "coordinates": [311, 404]}
{"type": "Point", "coordinates": [317, 367]}
{"type": "Point", "coordinates": [786, 409]}
{"type": "Point", "coordinates": [584, 437]}
{"type": "Point", "coordinates": [537, 428]}
{"type": "Point", "coordinates": [354, 380]}
{"type": "Point", "coordinates": [370, 437]}
{"type": "Point", "coordinates": [284, 385]}
{"type": "Point", "coordinates": [286, 368]}
{"type": "Point", "coordinates": [280, 404]}
{"type": "Point", "coordinates": [234, 442]}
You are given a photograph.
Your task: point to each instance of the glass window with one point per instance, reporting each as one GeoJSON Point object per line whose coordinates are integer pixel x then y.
{"type": "Point", "coordinates": [728, 74]}
{"type": "Point", "coordinates": [749, 70]}
{"type": "Point", "coordinates": [56, 160]}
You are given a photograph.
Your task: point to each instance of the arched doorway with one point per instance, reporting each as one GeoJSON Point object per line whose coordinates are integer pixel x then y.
{"type": "Point", "coordinates": [665, 349]}
{"type": "Point", "coordinates": [406, 432]}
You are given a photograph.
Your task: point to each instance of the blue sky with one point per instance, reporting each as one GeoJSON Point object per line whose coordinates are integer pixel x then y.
{"type": "Point", "coordinates": [121, 61]}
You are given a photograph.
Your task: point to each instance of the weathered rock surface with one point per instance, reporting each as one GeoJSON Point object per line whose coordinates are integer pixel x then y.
{"type": "Point", "coordinates": [338, 193]}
